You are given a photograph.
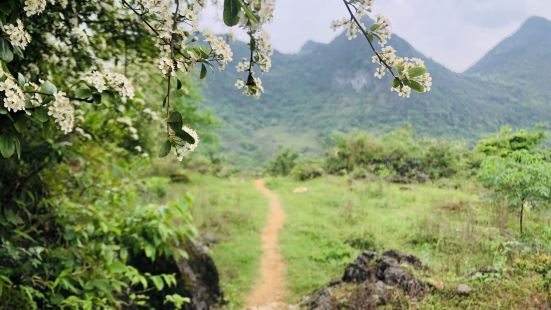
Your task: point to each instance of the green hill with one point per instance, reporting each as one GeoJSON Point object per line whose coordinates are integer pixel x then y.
{"type": "Point", "coordinates": [331, 87]}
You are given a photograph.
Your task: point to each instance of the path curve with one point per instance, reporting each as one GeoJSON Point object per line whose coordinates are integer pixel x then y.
{"type": "Point", "coordinates": [271, 287]}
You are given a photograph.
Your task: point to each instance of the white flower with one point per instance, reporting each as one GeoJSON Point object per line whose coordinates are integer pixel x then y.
{"type": "Point", "coordinates": [18, 36]}
{"type": "Point", "coordinates": [221, 50]}
{"type": "Point", "coordinates": [117, 82]}
{"type": "Point", "coordinates": [166, 65]}
{"type": "Point", "coordinates": [14, 98]}
{"type": "Point", "coordinates": [95, 78]}
{"type": "Point", "coordinates": [186, 147]}
{"type": "Point", "coordinates": [33, 7]}
{"type": "Point", "coordinates": [63, 112]}
{"type": "Point", "coordinates": [380, 72]}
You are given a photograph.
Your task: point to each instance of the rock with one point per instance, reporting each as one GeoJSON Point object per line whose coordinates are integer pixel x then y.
{"type": "Point", "coordinates": [200, 277]}
{"type": "Point", "coordinates": [321, 300]}
{"type": "Point", "coordinates": [368, 282]}
{"type": "Point", "coordinates": [368, 296]}
{"type": "Point", "coordinates": [360, 270]}
{"type": "Point", "coordinates": [404, 258]}
{"type": "Point", "coordinates": [401, 278]}
{"type": "Point", "coordinates": [422, 178]}
{"type": "Point", "coordinates": [463, 290]}
{"type": "Point", "coordinates": [300, 190]}
{"type": "Point", "coordinates": [196, 278]}
{"type": "Point", "coordinates": [436, 284]}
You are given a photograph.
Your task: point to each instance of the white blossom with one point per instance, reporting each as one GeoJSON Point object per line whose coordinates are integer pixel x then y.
{"type": "Point", "coordinates": [63, 112]}
{"type": "Point", "coordinates": [117, 82]}
{"type": "Point", "coordinates": [220, 49]}
{"type": "Point", "coordinates": [14, 98]}
{"type": "Point", "coordinates": [18, 36]}
{"type": "Point", "coordinates": [186, 147]}
{"type": "Point", "coordinates": [33, 7]}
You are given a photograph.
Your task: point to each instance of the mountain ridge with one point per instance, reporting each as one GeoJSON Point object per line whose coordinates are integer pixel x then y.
{"type": "Point", "coordinates": [331, 87]}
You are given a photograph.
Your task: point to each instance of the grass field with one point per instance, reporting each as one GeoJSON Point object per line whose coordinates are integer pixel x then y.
{"type": "Point", "coordinates": [455, 232]}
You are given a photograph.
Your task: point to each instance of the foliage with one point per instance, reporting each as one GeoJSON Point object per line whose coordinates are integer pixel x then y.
{"type": "Point", "coordinates": [398, 153]}
{"type": "Point", "coordinates": [520, 179]}
{"type": "Point", "coordinates": [71, 250]}
{"type": "Point", "coordinates": [506, 142]}
{"type": "Point", "coordinates": [283, 164]}
{"type": "Point", "coordinates": [307, 169]}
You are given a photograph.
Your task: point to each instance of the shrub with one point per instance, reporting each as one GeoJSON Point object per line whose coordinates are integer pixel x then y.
{"type": "Point", "coordinates": [398, 154]}
{"type": "Point", "coordinates": [284, 162]}
{"type": "Point", "coordinates": [307, 169]}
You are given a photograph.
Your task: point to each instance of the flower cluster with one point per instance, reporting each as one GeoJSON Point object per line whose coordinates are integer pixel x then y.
{"type": "Point", "coordinates": [409, 74]}
{"type": "Point", "coordinates": [221, 50]}
{"type": "Point", "coordinates": [117, 82]}
{"type": "Point", "coordinates": [14, 99]}
{"type": "Point", "coordinates": [63, 112]}
{"type": "Point", "coordinates": [18, 36]}
{"type": "Point", "coordinates": [185, 147]}
{"type": "Point", "coordinates": [260, 44]}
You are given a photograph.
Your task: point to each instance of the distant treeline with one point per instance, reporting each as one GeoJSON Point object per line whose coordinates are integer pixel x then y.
{"type": "Point", "coordinates": [402, 156]}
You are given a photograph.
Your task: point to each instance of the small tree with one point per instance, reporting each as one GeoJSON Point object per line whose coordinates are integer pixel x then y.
{"type": "Point", "coordinates": [520, 179]}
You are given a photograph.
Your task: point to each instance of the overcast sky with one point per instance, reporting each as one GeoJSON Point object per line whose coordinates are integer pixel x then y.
{"type": "Point", "coordinates": [455, 33]}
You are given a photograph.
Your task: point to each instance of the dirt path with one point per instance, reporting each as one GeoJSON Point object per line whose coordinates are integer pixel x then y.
{"type": "Point", "coordinates": [270, 287]}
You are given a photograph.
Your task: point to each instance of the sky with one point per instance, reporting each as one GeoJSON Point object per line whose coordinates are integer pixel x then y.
{"type": "Point", "coordinates": [455, 33]}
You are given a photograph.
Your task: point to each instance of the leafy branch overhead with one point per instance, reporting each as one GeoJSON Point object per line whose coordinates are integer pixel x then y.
{"type": "Point", "coordinates": [84, 39]}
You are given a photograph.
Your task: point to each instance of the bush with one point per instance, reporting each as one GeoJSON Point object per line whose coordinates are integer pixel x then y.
{"type": "Point", "coordinates": [398, 154]}
{"type": "Point", "coordinates": [284, 162]}
{"type": "Point", "coordinates": [307, 169]}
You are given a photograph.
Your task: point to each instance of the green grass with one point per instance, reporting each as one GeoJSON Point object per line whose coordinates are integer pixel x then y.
{"type": "Point", "coordinates": [453, 231]}
{"type": "Point", "coordinates": [234, 212]}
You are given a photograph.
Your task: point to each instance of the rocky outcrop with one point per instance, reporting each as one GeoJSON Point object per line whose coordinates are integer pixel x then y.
{"type": "Point", "coordinates": [369, 281]}
{"type": "Point", "coordinates": [197, 278]}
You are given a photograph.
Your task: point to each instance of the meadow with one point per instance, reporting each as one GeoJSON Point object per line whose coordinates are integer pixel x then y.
{"type": "Point", "coordinates": [451, 226]}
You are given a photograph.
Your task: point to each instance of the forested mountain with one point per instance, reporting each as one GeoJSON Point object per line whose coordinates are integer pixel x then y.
{"type": "Point", "coordinates": [331, 87]}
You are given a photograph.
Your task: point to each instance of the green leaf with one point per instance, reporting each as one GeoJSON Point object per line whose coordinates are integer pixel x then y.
{"type": "Point", "coordinates": [48, 88]}
{"type": "Point", "coordinates": [97, 98]}
{"type": "Point", "coordinates": [182, 134]}
{"type": "Point", "coordinates": [231, 12]}
{"type": "Point", "coordinates": [83, 93]}
{"type": "Point", "coordinates": [175, 117]}
{"type": "Point", "coordinates": [40, 115]}
{"type": "Point", "coordinates": [248, 12]}
{"type": "Point", "coordinates": [178, 84]}
{"type": "Point", "coordinates": [165, 149]}
{"type": "Point", "coordinates": [7, 145]}
{"type": "Point", "coordinates": [17, 144]}
{"type": "Point", "coordinates": [416, 86]}
{"type": "Point", "coordinates": [158, 282]}
{"type": "Point", "coordinates": [203, 71]}
{"type": "Point", "coordinates": [21, 79]}
{"type": "Point", "coordinates": [396, 83]}
{"type": "Point", "coordinates": [416, 71]}
{"type": "Point", "coordinates": [374, 27]}
{"type": "Point", "coordinates": [5, 51]}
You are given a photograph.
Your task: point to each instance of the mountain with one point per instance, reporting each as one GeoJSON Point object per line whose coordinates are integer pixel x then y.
{"type": "Point", "coordinates": [524, 58]}
{"type": "Point", "coordinates": [330, 87]}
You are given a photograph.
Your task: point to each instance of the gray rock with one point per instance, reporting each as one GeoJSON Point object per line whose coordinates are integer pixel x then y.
{"type": "Point", "coordinates": [463, 290]}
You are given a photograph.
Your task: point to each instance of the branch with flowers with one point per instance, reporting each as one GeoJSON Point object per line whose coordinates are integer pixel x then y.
{"type": "Point", "coordinates": [84, 41]}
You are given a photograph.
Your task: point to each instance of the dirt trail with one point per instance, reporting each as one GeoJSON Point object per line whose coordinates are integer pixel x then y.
{"type": "Point", "coordinates": [270, 288]}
